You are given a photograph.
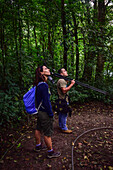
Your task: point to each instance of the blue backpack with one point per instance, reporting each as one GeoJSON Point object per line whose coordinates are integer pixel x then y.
{"type": "Point", "coordinates": [29, 100]}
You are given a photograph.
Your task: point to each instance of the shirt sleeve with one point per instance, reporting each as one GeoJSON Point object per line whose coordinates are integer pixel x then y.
{"type": "Point", "coordinates": [46, 100]}
{"type": "Point", "coordinates": [62, 83]}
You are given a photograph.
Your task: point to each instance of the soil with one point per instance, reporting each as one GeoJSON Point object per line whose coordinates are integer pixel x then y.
{"type": "Point", "coordinates": [79, 150]}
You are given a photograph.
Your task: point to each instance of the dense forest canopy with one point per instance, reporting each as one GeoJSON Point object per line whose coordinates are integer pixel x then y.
{"type": "Point", "coordinates": [73, 34]}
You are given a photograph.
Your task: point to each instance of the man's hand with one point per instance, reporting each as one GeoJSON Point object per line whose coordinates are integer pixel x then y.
{"type": "Point", "coordinates": [72, 82]}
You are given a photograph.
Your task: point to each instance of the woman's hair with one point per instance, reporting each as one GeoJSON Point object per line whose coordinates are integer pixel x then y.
{"type": "Point", "coordinates": [38, 76]}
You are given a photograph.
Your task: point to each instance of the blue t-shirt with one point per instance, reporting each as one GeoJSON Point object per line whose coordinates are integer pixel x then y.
{"type": "Point", "coordinates": [44, 96]}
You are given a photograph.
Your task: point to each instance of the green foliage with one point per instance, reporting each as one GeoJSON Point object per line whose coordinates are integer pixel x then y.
{"type": "Point", "coordinates": [32, 34]}
{"type": "Point", "coordinates": [77, 96]}
{"type": "Point", "coordinates": [11, 107]}
{"type": "Point", "coordinates": [81, 94]}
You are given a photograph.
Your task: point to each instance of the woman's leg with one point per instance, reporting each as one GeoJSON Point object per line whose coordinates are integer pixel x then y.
{"type": "Point", "coordinates": [48, 142]}
{"type": "Point", "coordinates": [37, 137]}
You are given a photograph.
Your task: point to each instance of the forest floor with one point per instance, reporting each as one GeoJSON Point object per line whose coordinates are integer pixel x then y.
{"type": "Point", "coordinates": [92, 150]}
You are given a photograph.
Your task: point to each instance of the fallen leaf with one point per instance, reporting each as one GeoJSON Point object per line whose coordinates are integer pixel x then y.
{"type": "Point", "coordinates": [85, 142]}
{"type": "Point", "coordinates": [10, 134]}
{"type": "Point", "coordinates": [9, 158]}
{"type": "Point", "coordinates": [85, 157]}
{"type": "Point", "coordinates": [18, 145]}
{"type": "Point", "coordinates": [48, 165]}
{"type": "Point", "coordinates": [1, 162]}
{"type": "Point", "coordinates": [28, 137]}
{"type": "Point", "coordinates": [80, 145]}
{"type": "Point", "coordinates": [72, 143]}
{"type": "Point", "coordinates": [27, 159]}
{"type": "Point", "coordinates": [15, 161]}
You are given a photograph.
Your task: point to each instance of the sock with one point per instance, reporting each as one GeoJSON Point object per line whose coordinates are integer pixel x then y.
{"type": "Point", "coordinates": [50, 150]}
{"type": "Point", "coordinates": [38, 144]}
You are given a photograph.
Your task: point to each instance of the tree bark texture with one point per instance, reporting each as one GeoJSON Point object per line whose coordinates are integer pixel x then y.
{"type": "Point", "coordinates": [100, 58]}
{"type": "Point", "coordinates": [64, 34]}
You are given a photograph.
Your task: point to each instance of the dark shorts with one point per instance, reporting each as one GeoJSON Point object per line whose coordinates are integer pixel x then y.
{"type": "Point", "coordinates": [44, 123]}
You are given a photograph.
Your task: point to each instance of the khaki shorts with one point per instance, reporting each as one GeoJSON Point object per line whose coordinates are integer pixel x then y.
{"type": "Point", "coordinates": [44, 123]}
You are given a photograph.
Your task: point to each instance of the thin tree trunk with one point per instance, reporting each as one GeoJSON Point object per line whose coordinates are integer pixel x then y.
{"type": "Point", "coordinates": [3, 57]}
{"type": "Point", "coordinates": [20, 49]}
{"type": "Point", "coordinates": [35, 39]}
{"type": "Point", "coordinates": [77, 49]}
{"type": "Point", "coordinates": [28, 32]}
{"type": "Point", "coordinates": [50, 47]}
{"type": "Point", "coordinates": [100, 57]}
{"type": "Point", "coordinates": [4, 84]}
{"type": "Point", "coordinates": [64, 34]}
{"type": "Point", "coordinates": [49, 44]}
{"type": "Point", "coordinates": [87, 74]}
{"type": "Point", "coordinates": [72, 58]}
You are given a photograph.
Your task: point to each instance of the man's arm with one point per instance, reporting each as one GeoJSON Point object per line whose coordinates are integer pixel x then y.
{"type": "Point", "coordinates": [66, 89]}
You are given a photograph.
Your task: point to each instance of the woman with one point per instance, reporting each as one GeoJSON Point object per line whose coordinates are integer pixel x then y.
{"type": "Point", "coordinates": [45, 114]}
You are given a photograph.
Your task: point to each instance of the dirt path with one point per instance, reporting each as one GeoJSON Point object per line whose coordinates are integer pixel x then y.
{"type": "Point", "coordinates": [92, 151]}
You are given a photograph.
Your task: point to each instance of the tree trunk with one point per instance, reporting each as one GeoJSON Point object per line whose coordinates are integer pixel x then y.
{"type": "Point", "coordinates": [28, 32]}
{"type": "Point", "coordinates": [4, 84]}
{"type": "Point", "coordinates": [35, 39]}
{"type": "Point", "coordinates": [77, 49]}
{"type": "Point", "coordinates": [20, 49]}
{"type": "Point", "coordinates": [64, 34]}
{"type": "Point", "coordinates": [100, 57]}
{"type": "Point", "coordinates": [88, 66]}
{"type": "Point", "coordinates": [49, 44]}
{"type": "Point", "coordinates": [50, 47]}
{"type": "Point", "coordinates": [72, 59]}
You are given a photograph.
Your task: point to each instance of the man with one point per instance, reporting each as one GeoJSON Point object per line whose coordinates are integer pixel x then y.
{"type": "Point", "coordinates": [63, 89]}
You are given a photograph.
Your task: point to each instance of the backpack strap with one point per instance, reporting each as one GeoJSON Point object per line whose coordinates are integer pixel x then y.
{"type": "Point", "coordinates": [39, 106]}
{"type": "Point", "coordinates": [36, 96]}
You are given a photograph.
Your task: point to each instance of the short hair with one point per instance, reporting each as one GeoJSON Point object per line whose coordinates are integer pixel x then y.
{"type": "Point", "coordinates": [60, 70]}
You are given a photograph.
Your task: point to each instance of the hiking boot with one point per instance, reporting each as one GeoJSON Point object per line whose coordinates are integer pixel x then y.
{"type": "Point", "coordinates": [53, 154]}
{"type": "Point", "coordinates": [40, 148]}
{"type": "Point", "coordinates": [67, 131]}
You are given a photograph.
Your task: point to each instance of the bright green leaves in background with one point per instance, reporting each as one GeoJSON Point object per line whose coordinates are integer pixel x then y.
{"type": "Point", "coordinates": [74, 34]}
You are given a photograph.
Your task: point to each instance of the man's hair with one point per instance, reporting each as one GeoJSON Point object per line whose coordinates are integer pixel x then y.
{"type": "Point", "coordinates": [60, 70]}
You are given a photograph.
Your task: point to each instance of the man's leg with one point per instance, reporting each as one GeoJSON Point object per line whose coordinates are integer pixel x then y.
{"type": "Point", "coordinates": [64, 121]}
{"type": "Point", "coordinates": [64, 125]}
{"type": "Point", "coordinates": [60, 120]}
